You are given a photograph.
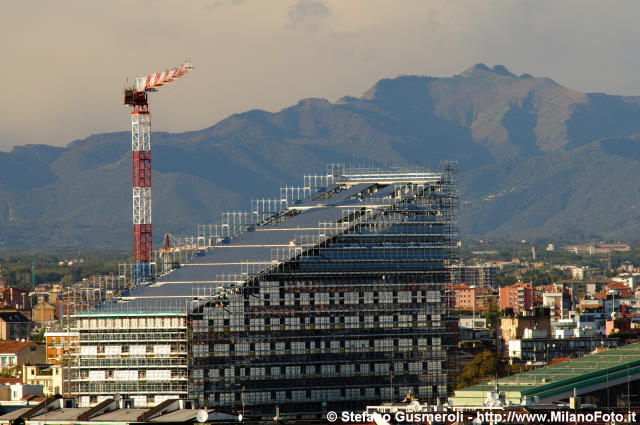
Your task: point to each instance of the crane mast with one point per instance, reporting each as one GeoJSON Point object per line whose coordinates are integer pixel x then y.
{"type": "Point", "coordinates": [136, 97]}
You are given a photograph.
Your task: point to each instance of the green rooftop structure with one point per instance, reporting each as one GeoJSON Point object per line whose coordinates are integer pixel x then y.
{"type": "Point", "coordinates": [556, 383]}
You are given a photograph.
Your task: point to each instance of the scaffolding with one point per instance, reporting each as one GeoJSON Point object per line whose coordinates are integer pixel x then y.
{"type": "Point", "coordinates": [232, 224]}
{"type": "Point", "coordinates": [78, 298]}
{"type": "Point", "coordinates": [142, 356]}
{"type": "Point", "coordinates": [343, 303]}
{"type": "Point", "coordinates": [84, 295]}
{"type": "Point", "coordinates": [354, 314]}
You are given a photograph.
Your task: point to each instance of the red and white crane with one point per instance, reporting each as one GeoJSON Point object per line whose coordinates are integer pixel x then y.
{"type": "Point", "coordinates": [136, 97]}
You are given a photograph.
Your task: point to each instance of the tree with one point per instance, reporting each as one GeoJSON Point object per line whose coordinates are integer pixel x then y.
{"type": "Point", "coordinates": [11, 371]}
{"type": "Point", "coordinates": [493, 315]}
{"type": "Point", "coordinates": [39, 337]}
{"type": "Point", "coordinates": [483, 367]}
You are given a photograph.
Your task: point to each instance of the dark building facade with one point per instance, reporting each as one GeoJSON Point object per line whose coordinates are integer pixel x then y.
{"type": "Point", "coordinates": [331, 297]}
{"type": "Point", "coordinates": [358, 317]}
{"type": "Point", "coordinates": [480, 276]}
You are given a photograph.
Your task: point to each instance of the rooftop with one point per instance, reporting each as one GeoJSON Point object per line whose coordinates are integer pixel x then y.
{"type": "Point", "coordinates": [172, 411]}
{"type": "Point", "coordinates": [12, 347]}
{"type": "Point", "coordinates": [13, 317]}
{"type": "Point", "coordinates": [555, 380]}
{"type": "Point", "coordinates": [301, 225]}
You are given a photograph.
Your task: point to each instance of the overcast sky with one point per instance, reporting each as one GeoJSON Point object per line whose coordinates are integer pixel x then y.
{"type": "Point", "coordinates": [64, 63]}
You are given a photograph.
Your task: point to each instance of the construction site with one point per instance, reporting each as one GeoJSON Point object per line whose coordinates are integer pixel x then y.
{"type": "Point", "coordinates": [328, 297]}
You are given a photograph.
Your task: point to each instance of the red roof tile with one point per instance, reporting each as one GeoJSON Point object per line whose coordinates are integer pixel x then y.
{"type": "Point", "coordinates": [11, 346]}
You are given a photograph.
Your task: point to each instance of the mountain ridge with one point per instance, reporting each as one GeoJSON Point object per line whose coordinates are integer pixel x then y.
{"type": "Point", "coordinates": [535, 158]}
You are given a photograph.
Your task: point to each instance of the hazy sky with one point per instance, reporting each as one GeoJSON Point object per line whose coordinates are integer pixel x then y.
{"type": "Point", "coordinates": [64, 63]}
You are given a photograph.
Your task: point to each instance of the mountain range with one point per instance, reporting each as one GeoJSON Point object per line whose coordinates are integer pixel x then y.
{"type": "Point", "coordinates": [536, 160]}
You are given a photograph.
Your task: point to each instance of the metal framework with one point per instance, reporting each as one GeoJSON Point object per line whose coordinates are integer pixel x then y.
{"type": "Point", "coordinates": [136, 97]}
{"type": "Point", "coordinates": [141, 175]}
{"type": "Point", "coordinates": [359, 316]}
{"type": "Point", "coordinates": [139, 356]}
{"type": "Point", "coordinates": [349, 308]}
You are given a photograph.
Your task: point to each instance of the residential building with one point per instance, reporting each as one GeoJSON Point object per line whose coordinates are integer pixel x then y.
{"type": "Point", "coordinates": [49, 376]}
{"type": "Point", "coordinates": [469, 298]}
{"type": "Point", "coordinates": [501, 265]}
{"type": "Point", "coordinates": [15, 353]}
{"type": "Point", "coordinates": [514, 327]}
{"type": "Point", "coordinates": [585, 286]}
{"type": "Point", "coordinates": [533, 350]}
{"type": "Point", "coordinates": [14, 393]}
{"type": "Point", "coordinates": [628, 279]}
{"type": "Point", "coordinates": [308, 303]}
{"type": "Point", "coordinates": [467, 322]}
{"type": "Point", "coordinates": [141, 356]}
{"type": "Point", "coordinates": [590, 304]}
{"type": "Point", "coordinates": [518, 297]}
{"type": "Point", "coordinates": [593, 318]}
{"type": "Point", "coordinates": [563, 328]}
{"type": "Point", "coordinates": [14, 298]}
{"type": "Point", "coordinates": [620, 324]}
{"type": "Point", "coordinates": [480, 276]}
{"type": "Point", "coordinates": [60, 346]}
{"type": "Point", "coordinates": [597, 248]}
{"type": "Point", "coordinates": [622, 289]}
{"type": "Point", "coordinates": [13, 325]}
{"type": "Point", "coordinates": [470, 332]}
{"type": "Point", "coordinates": [558, 299]}
{"type": "Point", "coordinates": [43, 313]}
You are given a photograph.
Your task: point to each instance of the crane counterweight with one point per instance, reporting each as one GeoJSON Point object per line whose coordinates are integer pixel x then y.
{"type": "Point", "coordinates": [132, 97]}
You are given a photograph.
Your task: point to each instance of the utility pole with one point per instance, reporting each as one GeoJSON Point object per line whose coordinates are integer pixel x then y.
{"type": "Point", "coordinates": [473, 326]}
{"type": "Point", "coordinates": [243, 401]}
{"type": "Point", "coordinates": [33, 274]}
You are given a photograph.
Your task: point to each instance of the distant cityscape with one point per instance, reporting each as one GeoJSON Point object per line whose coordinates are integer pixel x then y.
{"type": "Point", "coordinates": [342, 294]}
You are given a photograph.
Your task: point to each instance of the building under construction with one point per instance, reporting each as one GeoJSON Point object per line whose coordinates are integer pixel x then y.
{"type": "Point", "coordinates": [330, 297]}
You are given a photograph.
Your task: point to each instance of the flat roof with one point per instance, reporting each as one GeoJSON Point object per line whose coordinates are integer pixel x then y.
{"type": "Point", "coordinates": [70, 414]}
{"type": "Point", "coordinates": [119, 415]}
{"type": "Point", "coordinates": [9, 416]}
{"type": "Point", "coordinates": [183, 415]}
{"type": "Point", "coordinates": [562, 377]}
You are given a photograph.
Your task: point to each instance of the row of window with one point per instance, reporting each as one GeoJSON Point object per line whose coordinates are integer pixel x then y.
{"type": "Point", "coordinates": [241, 346]}
{"type": "Point", "coordinates": [132, 323]}
{"type": "Point", "coordinates": [132, 375]}
{"type": "Point", "coordinates": [132, 350]}
{"type": "Point", "coordinates": [246, 320]}
{"type": "Point", "coordinates": [323, 370]}
{"type": "Point", "coordinates": [355, 345]}
{"type": "Point", "coordinates": [330, 394]}
{"type": "Point", "coordinates": [139, 400]}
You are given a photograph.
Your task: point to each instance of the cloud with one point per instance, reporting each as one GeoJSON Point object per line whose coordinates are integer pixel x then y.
{"type": "Point", "coordinates": [269, 54]}
{"type": "Point", "coordinates": [219, 3]}
{"type": "Point", "coordinates": [309, 14]}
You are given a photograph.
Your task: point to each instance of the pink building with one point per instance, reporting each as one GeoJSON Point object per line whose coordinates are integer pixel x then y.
{"type": "Point", "coordinates": [518, 296]}
{"type": "Point", "coordinates": [469, 298]}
